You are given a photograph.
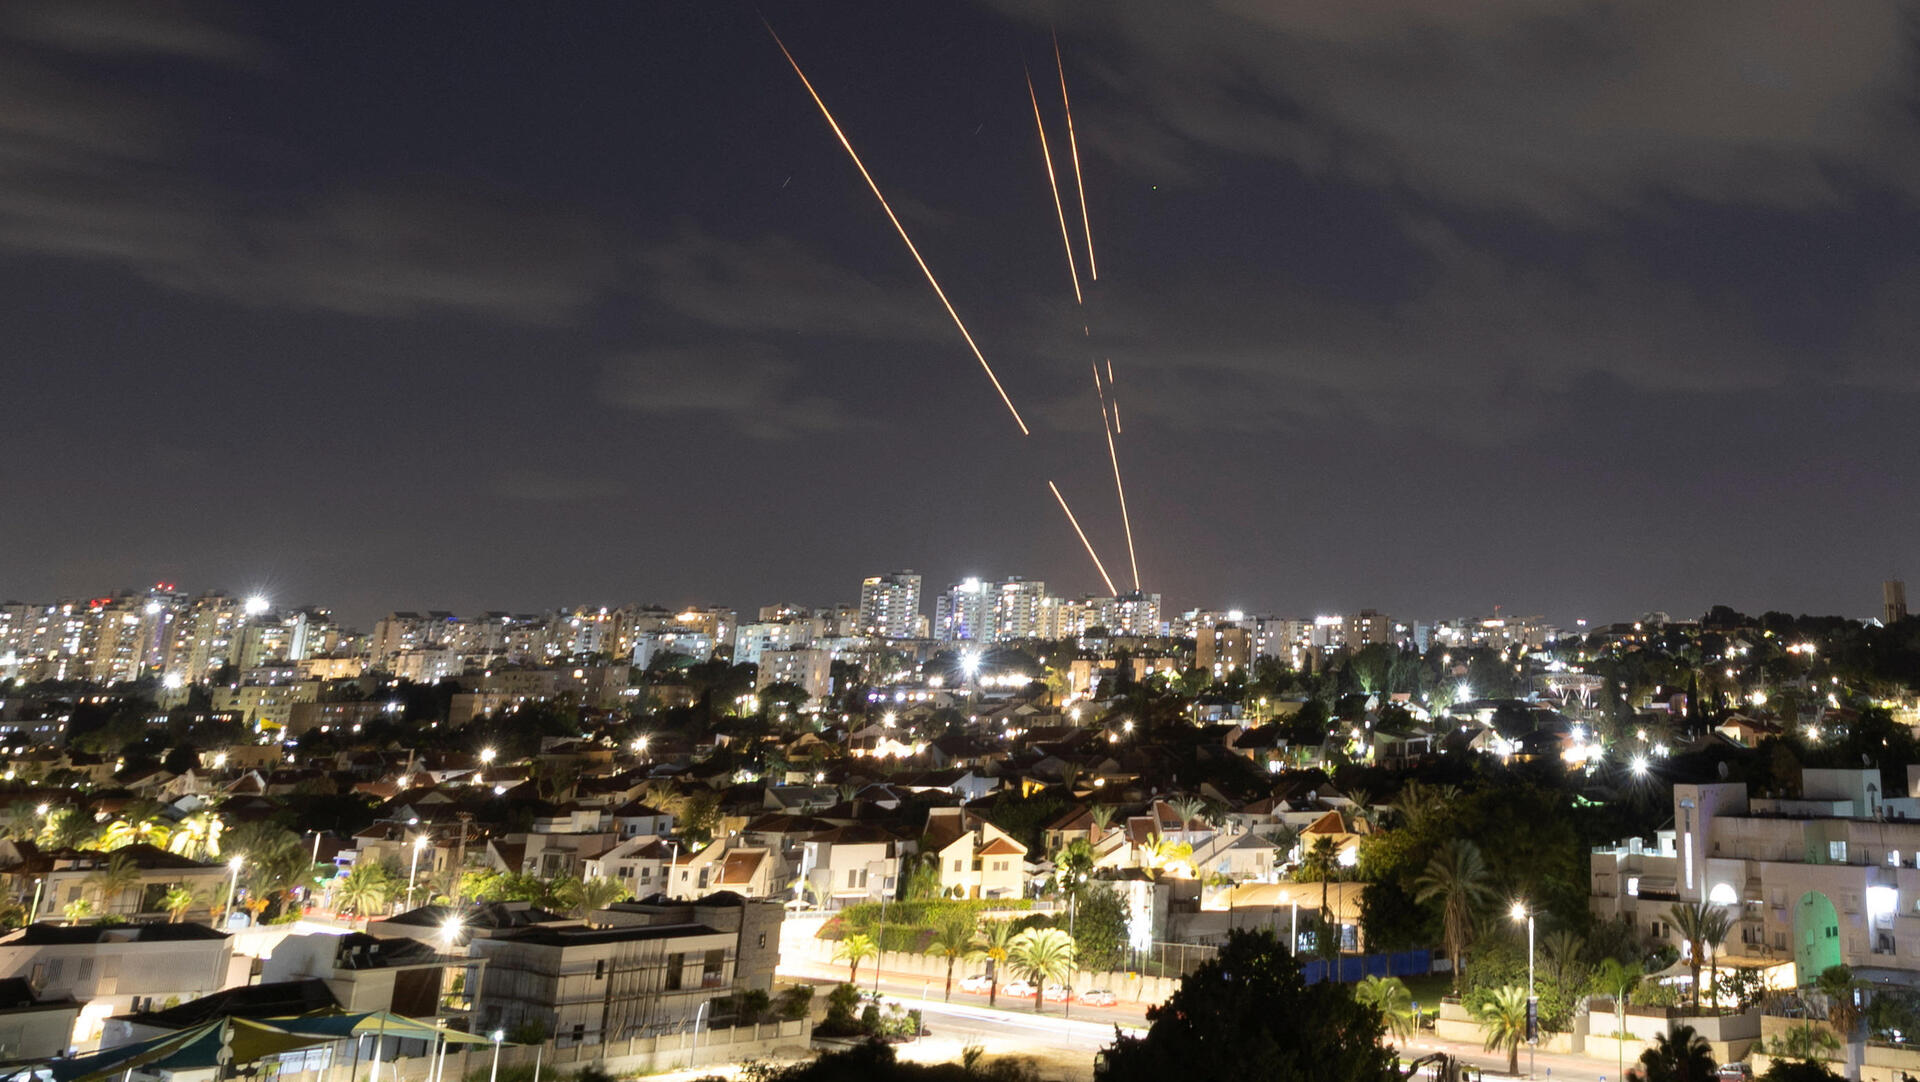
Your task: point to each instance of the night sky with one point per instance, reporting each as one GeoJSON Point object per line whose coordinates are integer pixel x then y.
{"type": "Point", "coordinates": [1430, 306]}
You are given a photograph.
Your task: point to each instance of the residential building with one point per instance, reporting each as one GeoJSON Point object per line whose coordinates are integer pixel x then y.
{"type": "Point", "coordinates": [1223, 649]}
{"type": "Point", "coordinates": [890, 605]}
{"type": "Point", "coordinates": [1831, 877]}
{"type": "Point", "coordinates": [407, 976]}
{"type": "Point", "coordinates": [811, 670]}
{"type": "Point", "coordinates": [976, 859]}
{"type": "Point", "coordinates": [598, 985]}
{"type": "Point", "coordinates": [112, 968]}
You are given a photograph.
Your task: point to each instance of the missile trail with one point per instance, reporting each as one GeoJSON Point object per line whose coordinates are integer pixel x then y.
{"type": "Point", "coordinates": [1054, 183]}
{"type": "Point", "coordinates": [1120, 489]}
{"type": "Point", "coordinates": [1073, 145]}
{"type": "Point", "coordinates": [902, 230]}
{"type": "Point", "coordinates": [1102, 568]}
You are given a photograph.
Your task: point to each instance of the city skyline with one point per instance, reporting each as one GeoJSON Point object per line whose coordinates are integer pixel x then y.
{"type": "Point", "coordinates": [1569, 316]}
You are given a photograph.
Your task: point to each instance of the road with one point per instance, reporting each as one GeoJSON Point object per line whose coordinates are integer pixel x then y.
{"type": "Point", "coordinates": [1069, 1044]}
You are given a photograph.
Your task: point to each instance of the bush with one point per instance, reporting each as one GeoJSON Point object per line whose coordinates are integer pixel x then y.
{"type": "Point", "coordinates": [533, 1031]}
{"type": "Point", "coordinates": [840, 1020]}
{"type": "Point", "coordinates": [924, 914]}
{"type": "Point", "coordinates": [795, 1002]}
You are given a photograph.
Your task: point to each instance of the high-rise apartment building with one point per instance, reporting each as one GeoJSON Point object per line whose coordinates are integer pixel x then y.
{"type": "Point", "coordinates": [1019, 608]}
{"type": "Point", "coordinates": [964, 613]}
{"type": "Point", "coordinates": [1893, 595]}
{"type": "Point", "coordinates": [890, 605]}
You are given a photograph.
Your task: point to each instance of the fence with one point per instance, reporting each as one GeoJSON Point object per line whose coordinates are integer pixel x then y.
{"type": "Point", "coordinates": [638, 1055]}
{"type": "Point", "coordinates": [1351, 969]}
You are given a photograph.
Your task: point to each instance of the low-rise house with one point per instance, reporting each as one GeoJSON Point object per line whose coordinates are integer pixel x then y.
{"type": "Point", "coordinates": [371, 973]}
{"type": "Point", "coordinates": [33, 1027]}
{"type": "Point", "coordinates": [110, 969]}
{"type": "Point", "coordinates": [129, 882]}
{"type": "Point", "coordinates": [976, 859]}
{"type": "Point", "coordinates": [845, 865]}
{"type": "Point", "coordinates": [597, 985]}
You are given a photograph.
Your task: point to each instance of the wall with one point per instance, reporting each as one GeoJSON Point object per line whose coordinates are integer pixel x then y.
{"type": "Point", "coordinates": [1128, 987]}
{"type": "Point", "coordinates": [645, 1055]}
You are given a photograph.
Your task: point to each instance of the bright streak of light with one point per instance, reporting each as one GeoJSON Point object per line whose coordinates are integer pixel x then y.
{"type": "Point", "coordinates": [901, 229]}
{"type": "Point", "coordinates": [1102, 568]}
{"type": "Point", "coordinates": [1073, 146]}
{"type": "Point", "coordinates": [1109, 369]}
{"type": "Point", "coordinates": [1054, 183]}
{"type": "Point", "coordinates": [1116, 416]}
{"type": "Point", "coordinates": [1119, 488]}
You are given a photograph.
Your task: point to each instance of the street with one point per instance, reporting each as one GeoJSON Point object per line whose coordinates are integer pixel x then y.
{"type": "Point", "coordinates": [1068, 1045]}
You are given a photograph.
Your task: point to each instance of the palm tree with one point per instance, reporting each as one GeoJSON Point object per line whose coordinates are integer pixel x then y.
{"type": "Point", "coordinates": [67, 828]}
{"type": "Point", "coordinates": [21, 821]}
{"type": "Point", "coordinates": [1680, 1056]}
{"type": "Point", "coordinates": [1703, 928]}
{"type": "Point", "coordinates": [1457, 878]}
{"type": "Point", "coordinates": [599, 893]}
{"type": "Point", "coordinates": [275, 859]}
{"type": "Point", "coordinates": [1321, 862]}
{"type": "Point", "coordinates": [197, 836]}
{"type": "Point", "coordinates": [1102, 816]}
{"type": "Point", "coordinates": [993, 948]}
{"type": "Point", "coordinates": [1618, 979]}
{"type": "Point", "coordinates": [853, 950]}
{"type": "Point", "coordinates": [1504, 1017]}
{"type": "Point", "coordinates": [1562, 950]}
{"type": "Point", "coordinates": [952, 940]}
{"type": "Point", "coordinates": [366, 889]}
{"type": "Point", "coordinates": [1041, 955]}
{"type": "Point", "coordinates": [113, 879]}
{"type": "Point", "coordinates": [1160, 853]}
{"type": "Point", "coordinates": [124, 832]}
{"type": "Point", "coordinates": [1188, 808]}
{"type": "Point", "coordinates": [78, 909]}
{"type": "Point", "coordinates": [178, 901]}
{"type": "Point", "coordinates": [1806, 1042]}
{"type": "Point", "coordinates": [1389, 996]}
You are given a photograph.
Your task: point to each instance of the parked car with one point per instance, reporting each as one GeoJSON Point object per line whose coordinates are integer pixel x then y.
{"type": "Point", "coordinates": [1016, 989]}
{"type": "Point", "coordinates": [1737, 1071]}
{"type": "Point", "coordinates": [979, 982]}
{"type": "Point", "coordinates": [1057, 993]}
{"type": "Point", "coordinates": [1098, 997]}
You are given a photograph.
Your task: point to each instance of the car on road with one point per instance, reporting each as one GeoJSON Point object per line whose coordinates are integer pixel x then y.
{"type": "Point", "coordinates": [1098, 997]}
{"type": "Point", "coordinates": [979, 982]}
{"type": "Point", "coordinates": [1057, 993]}
{"type": "Point", "coordinates": [1016, 989]}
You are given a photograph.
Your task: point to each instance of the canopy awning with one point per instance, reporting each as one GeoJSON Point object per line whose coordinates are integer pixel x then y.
{"type": "Point", "coordinates": [237, 1040]}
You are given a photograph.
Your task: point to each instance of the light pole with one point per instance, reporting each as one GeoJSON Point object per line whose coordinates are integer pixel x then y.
{"type": "Point", "coordinates": [1293, 944]}
{"type": "Point", "coordinates": [419, 843]}
{"type": "Point", "coordinates": [1521, 912]}
{"type": "Point", "coordinates": [498, 1035]}
{"type": "Point", "coordinates": [233, 888]}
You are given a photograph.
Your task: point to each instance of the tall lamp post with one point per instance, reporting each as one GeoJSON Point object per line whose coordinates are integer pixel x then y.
{"type": "Point", "coordinates": [498, 1035]}
{"type": "Point", "coordinates": [233, 888]}
{"type": "Point", "coordinates": [1521, 912]}
{"type": "Point", "coordinates": [419, 843]}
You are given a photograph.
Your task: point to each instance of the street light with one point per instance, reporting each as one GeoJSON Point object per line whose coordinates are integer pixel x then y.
{"type": "Point", "coordinates": [419, 843]}
{"type": "Point", "coordinates": [498, 1035]}
{"type": "Point", "coordinates": [1521, 912]}
{"type": "Point", "coordinates": [233, 888]}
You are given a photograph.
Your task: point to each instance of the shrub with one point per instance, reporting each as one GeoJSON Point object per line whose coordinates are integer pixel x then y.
{"type": "Point", "coordinates": [795, 1002]}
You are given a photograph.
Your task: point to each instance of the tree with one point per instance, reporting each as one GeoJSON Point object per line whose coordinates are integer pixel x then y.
{"type": "Point", "coordinates": [366, 889]}
{"type": "Point", "coordinates": [1680, 1056]}
{"type": "Point", "coordinates": [853, 950]}
{"type": "Point", "coordinates": [1389, 996]}
{"type": "Point", "coordinates": [1789, 1070]}
{"type": "Point", "coordinates": [1457, 878]}
{"type": "Point", "coordinates": [1100, 929]}
{"type": "Point", "coordinates": [993, 948]}
{"type": "Point", "coordinates": [197, 837]}
{"type": "Point", "coordinates": [1247, 1015]}
{"type": "Point", "coordinates": [1321, 863]}
{"type": "Point", "coordinates": [178, 901]}
{"type": "Point", "coordinates": [1504, 1017]}
{"type": "Point", "coordinates": [1041, 955]}
{"type": "Point", "coordinates": [599, 893]}
{"type": "Point", "coordinates": [952, 940]}
{"type": "Point", "coordinates": [274, 860]}
{"type": "Point", "coordinates": [113, 879]}
{"type": "Point", "coordinates": [1618, 979]}
{"type": "Point", "coordinates": [1703, 927]}
{"type": "Point", "coordinates": [1837, 984]}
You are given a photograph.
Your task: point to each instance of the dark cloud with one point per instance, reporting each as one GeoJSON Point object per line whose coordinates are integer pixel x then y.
{"type": "Point", "coordinates": [1563, 109]}
{"type": "Point", "coordinates": [745, 388]}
